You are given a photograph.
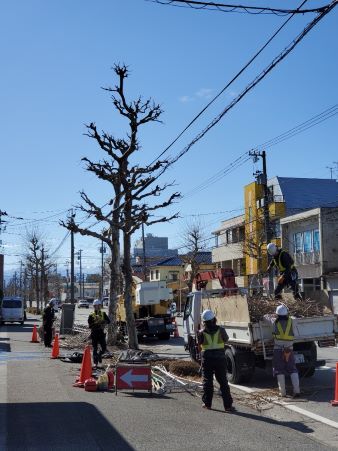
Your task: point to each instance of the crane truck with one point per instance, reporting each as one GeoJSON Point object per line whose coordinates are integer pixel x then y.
{"type": "Point", "coordinates": [151, 307]}
{"type": "Point", "coordinates": [250, 342]}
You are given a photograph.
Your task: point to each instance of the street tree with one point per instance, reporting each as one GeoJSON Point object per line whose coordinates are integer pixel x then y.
{"type": "Point", "coordinates": [39, 265]}
{"type": "Point", "coordinates": [134, 191]}
{"type": "Point", "coordinates": [193, 241]}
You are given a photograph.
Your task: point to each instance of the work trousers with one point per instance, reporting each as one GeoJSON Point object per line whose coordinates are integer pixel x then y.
{"type": "Point", "coordinates": [98, 338]}
{"type": "Point", "coordinates": [48, 334]}
{"type": "Point", "coordinates": [214, 363]}
{"type": "Point", "coordinates": [289, 281]}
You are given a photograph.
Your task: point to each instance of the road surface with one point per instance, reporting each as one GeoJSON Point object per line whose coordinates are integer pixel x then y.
{"type": "Point", "coordinates": [40, 409]}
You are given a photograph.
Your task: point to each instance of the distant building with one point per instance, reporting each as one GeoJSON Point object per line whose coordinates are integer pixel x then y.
{"type": "Point", "coordinates": [312, 238]}
{"type": "Point", "coordinates": [155, 246]}
{"type": "Point", "coordinates": [229, 248]}
{"type": "Point", "coordinates": [286, 196]}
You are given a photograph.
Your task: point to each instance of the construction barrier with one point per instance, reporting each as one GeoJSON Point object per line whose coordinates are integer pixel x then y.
{"type": "Point", "coordinates": [35, 335]}
{"type": "Point", "coordinates": [86, 368]}
{"type": "Point", "coordinates": [56, 348]}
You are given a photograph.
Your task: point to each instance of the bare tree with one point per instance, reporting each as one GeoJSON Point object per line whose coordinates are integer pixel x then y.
{"type": "Point", "coordinates": [132, 188]}
{"type": "Point", "coordinates": [194, 242]}
{"type": "Point", "coordinates": [38, 265]}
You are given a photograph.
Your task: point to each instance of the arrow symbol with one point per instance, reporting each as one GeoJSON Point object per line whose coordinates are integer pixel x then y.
{"type": "Point", "coordinates": [128, 378]}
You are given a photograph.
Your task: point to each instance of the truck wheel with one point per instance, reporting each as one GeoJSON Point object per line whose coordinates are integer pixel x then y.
{"type": "Point", "coordinates": [192, 351]}
{"type": "Point", "coordinates": [233, 374]}
{"type": "Point", "coordinates": [164, 336]}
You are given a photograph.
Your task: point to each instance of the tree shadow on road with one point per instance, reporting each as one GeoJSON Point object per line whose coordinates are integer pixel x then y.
{"type": "Point", "coordinates": [60, 425]}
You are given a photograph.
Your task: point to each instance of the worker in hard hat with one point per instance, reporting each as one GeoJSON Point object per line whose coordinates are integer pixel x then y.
{"type": "Point", "coordinates": [97, 321]}
{"type": "Point", "coordinates": [211, 341]}
{"type": "Point", "coordinates": [288, 273]}
{"type": "Point", "coordinates": [283, 361]}
{"type": "Point", "coordinates": [48, 318]}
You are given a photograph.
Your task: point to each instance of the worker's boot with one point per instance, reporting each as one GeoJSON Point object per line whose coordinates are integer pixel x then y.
{"type": "Point", "coordinates": [281, 384]}
{"type": "Point", "coordinates": [295, 385]}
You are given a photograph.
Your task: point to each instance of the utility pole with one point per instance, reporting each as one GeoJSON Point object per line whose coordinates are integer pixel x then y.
{"type": "Point", "coordinates": [144, 254]}
{"type": "Point", "coordinates": [21, 266]}
{"type": "Point", "coordinates": [72, 297]}
{"type": "Point", "coordinates": [262, 179]}
{"type": "Point", "coordinates": [79, 257]}
{"type": "Point", "coordinates": [103, 251]}
{"type": "Point", "coordinates": [331, 168]}
{"type": "Point", "coordinates": [2, 213]}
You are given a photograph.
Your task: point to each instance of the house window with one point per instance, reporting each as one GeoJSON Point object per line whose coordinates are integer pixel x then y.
{"type": "Point", "coordinates": [276, 229]}
{"type": "Point", "coordinates": [151, 275]}
{"type": "Point", "coordinates": [307, 238]}
{"type": "Point", "coordinates": [316, 244]}
{"type": "Point", "coordinates": [174, 276]}
{"type": "Point", "coordinates": [306, 242]}
{"type": "Point", "coordinates": [157, 274]}
{"type": "Point", "coordinates": [298, 242]}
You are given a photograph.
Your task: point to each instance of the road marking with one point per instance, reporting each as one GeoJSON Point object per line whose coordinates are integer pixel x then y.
{"type": "Point", "coordinates": [308, 414]}
{"type": "Point", "coordinates": [292, 407]}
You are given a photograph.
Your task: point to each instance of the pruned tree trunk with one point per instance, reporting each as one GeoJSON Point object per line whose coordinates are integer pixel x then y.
{"type": "Point", "coordinates": [114, 285]}
{"type": "Point", "coordinates": [128, 293]}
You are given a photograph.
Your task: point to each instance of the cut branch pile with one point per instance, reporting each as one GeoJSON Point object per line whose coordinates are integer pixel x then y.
{"type": "Point", "coordinates": [299, 309]}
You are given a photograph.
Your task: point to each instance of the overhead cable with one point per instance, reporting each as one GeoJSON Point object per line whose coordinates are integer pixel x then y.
{"type": "Point", "coordinates": [231, 8]}
{"type": "Point", "coordinates": [251, 60]}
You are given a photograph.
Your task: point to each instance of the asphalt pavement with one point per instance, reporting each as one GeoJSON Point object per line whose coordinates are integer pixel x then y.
{"type": "Point", "coordinates": [41, 410]}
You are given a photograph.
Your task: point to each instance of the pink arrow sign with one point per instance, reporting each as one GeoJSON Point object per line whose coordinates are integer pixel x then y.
{"type": "Point", "coordinates": [135, 377]}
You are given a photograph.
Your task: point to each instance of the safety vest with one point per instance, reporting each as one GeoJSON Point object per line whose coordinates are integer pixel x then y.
{"type": "Point", "coordinates": [212, 342]}
{"type": "Point", "coordinates": [97, 316]}
{"type": "Point", "coordinates": [281, 334]}
{"type": "Point", "coordinates": [279, 262]}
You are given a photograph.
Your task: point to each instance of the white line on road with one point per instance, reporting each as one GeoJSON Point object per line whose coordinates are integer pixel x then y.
{"type": "Point", "coordinates": [292, 407]}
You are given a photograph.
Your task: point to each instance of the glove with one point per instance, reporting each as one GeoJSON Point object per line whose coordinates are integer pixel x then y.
{"type": "Point", "coordinates": [281, 280]}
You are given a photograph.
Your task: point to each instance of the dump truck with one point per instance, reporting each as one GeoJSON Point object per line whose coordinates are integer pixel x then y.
{"type": "Point", "coordinates": [251, 341]}
{"type": "Point", "coordinates": [151, 307]}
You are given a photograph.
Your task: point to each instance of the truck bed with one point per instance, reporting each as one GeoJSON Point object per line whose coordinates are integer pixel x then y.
{"type": "Point", "coordinates": [232, 312]}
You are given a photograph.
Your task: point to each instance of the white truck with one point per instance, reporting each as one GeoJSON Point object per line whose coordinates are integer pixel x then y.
{"type": "Point", "coordinates": [151, 306]}
{"type": "Point", "coordinates": [250, 343]}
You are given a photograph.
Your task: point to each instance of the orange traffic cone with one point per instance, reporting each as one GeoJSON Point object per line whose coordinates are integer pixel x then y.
{"type": "Point", "coordinates": [56, 348]}
{"type": "Point", "coordinates": [34, 335]}
{"type": "Point", "coordinates": [86, 368]}
{"type": "Point", "coordinates": [335, 401]}
{"type": "Point", "coordinates": [176, 333]}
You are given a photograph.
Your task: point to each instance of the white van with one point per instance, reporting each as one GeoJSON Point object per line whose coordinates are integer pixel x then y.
{"type": "Point", "coordinates": [12, 310]}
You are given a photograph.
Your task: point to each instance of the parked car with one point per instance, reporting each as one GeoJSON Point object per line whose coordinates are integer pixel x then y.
{"type": "Point", "coordinates": [12, 310]}
{"type": "Point", "coordinates": [83, 303]}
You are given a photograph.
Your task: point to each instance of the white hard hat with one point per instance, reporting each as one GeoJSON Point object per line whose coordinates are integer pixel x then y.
{"type": "Point", "coordinates": [282, 310]}
{"type": "Point", "coordinates": [272, 249]}
{"type": "Point", "coordinates": [207, 315]}
{"type": "Point", "coordinates": [97, 302]}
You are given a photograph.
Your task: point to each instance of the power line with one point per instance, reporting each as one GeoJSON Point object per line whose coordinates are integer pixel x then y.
{"type": "Point", "coordinates": [256, 81]}
{"type": "Point", "coordinates": [230, 8]}
{"type": "Point", "coordinates": [252, 59]}
{"type": "Point", "coordinates": [242, 159]}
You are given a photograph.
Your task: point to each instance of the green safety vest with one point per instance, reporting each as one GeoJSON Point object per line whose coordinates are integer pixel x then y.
{"type": "Point", "coordinates": [212, 342]}
{"type": "Point", "coordinates": [97, 316]}
{"type": "Point", "coordinates": [279, 262]}
{"type": "Point", "coordinates": [281, 334]}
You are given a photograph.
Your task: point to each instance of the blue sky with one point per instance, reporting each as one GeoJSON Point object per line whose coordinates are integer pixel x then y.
{"type": "Point", "coordinates": [56, 56]}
